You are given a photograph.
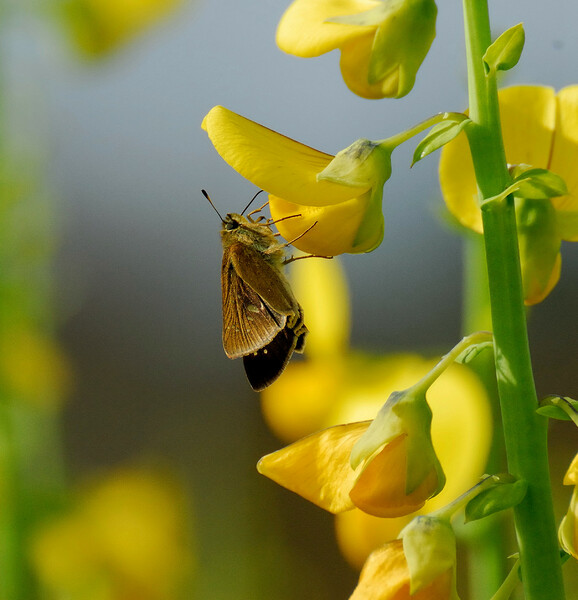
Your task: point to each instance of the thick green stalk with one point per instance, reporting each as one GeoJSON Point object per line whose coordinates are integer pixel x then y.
{"type": "Point", "coordinates": [524, 431]}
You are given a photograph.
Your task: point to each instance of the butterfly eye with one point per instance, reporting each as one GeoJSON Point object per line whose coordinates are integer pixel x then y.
{"type": "Point", "coordinates": [231, 224]}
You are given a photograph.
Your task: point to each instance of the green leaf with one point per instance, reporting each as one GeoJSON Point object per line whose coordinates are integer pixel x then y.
{"type": "Point", "coordinates": [440, 135]}
{"type": "Point", "coordinates": [495, 499]}
{"type": "Point", "coordinates": [559, 407]}
{"type": "Point", "coordinates": [504, 53]}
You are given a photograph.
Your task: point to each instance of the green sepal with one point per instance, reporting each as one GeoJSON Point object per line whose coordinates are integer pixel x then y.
{"type": "Point", "coordinates": [559, 407]}
{"type": "Point", "coordinates": [504, 53]}
{"type": "Point", "coordinates": [537, 184]}
{"type": "Point", "coordinates": [506, 493]}
{"type": "Point", "coordinates": [470, 353]}
{"type": "Point", "coordinates": [440, 135]}
{"type": "Point", "coordinates": [429, 546]}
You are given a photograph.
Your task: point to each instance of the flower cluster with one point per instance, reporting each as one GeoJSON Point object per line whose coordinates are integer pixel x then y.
{"type": "Point", "coordinates": [369, 456]}
{"type": "Point", "coordinates": [539, 129]}
{"type": "Point", "coordinates": [331, 399]}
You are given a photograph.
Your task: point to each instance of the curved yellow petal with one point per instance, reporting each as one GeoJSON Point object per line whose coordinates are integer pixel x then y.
{"type": "Point", "coordinates": [380, 490]}
{"type": "Point", "coordinates": [272, 161]}
{"type": "Point", "coordinates": [354, 66]}
{"type": "Point", "coordinates": [565, 151]}
{"type": "Point", "coordinates": [571, 477]}
{"type": "Point", "coordinates": [317, 467]}
{"type": "Point", "coordinates": [303, 29]}
{"type": "Point", "coordinates": [568, 531]}
{"type": "Point", "coordinates": [528, 118]}
{"type": "Point", "coordinates": [334, 228]}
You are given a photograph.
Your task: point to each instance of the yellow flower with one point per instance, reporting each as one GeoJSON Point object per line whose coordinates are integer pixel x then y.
{"type": "Point", "coordinates": [386, 576]}
{"type": "Point", "coordinates": [540, 129]}
{"type": "Point", "coordinates": [99, 26]}
{"type": "Point", "coordinates": [382, 44]}
{"type": "Point", "coordinates": [318, 468]}
{"type": "Point", "coordinates": [33, 367]}
{"type": "Point", "coordinates": [568, 532]}
{"type": "Point", "coordinates": [337, 385]}
{"type": "Point", "coordinates": [127, 537]}
{"type": "Point", "coordinates": [347, 215]}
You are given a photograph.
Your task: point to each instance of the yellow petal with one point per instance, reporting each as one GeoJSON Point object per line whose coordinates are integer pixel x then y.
{"type": "Point", "coordinates": [336, 226]}
{"type": "Point", "coordinates": [273, 162]}
{"type": "Point", "coordinates": [571, 477]}
{"type": "Point", "coordinates": [298, 402]}
{"type": "Point", "coordinates": [303, 30]}
{"type": "Point", "coordinates": [458, 183]}
{"type": "Point", "coordinates": [528, 119]}
{"type": "Point", "coordinates": [355, 71]}
{"type": "Point", "coordinates": [568, 531]}
{"type": "Point", "coordinates": [461, 434]}
{"type": "Point", "coordinates": [565, 152]}
{"type": "Point", "coordinates": [385, 576]}
{"type": "Point", "coordinates": [317, 467]}
{"type": "Point", "coordinates": [321, 288]}
{"type": "Point", "coordinates": [528, 114]}
{"type": "Point", "coordinates": [380, 489]}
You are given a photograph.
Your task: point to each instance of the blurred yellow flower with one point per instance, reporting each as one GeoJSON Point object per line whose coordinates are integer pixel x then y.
{"type": "Point", "coordinates": [540, 129]}
{"type": "Point", "coordinates": [386, 576]}
{"type": "Point", "coordinates": [337, 385]}
{"type": "Point", "coordinates": [382, 44]}
{"type": "Point", "coordinates": [128, 537]}
{"type": "Point", "coordinates": [33, 367]}
{"type": "Point", "coordinates": [347, 216]}
{"type": "Point", "coordinates": [568, 532]}
{"type": "Point", "coordinates": [100, 26]}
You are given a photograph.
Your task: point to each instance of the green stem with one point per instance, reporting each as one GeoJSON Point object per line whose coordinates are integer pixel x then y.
{"type": "Point", "coordinates": [404, 136]}
{"type": "Point", "coordinates": [472, 340]}
{"type": "Point", "coordinates": [524, 430]}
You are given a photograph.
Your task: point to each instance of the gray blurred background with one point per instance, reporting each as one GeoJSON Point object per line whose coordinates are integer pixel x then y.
{"type": "Point", "coordinates": [140, 256]}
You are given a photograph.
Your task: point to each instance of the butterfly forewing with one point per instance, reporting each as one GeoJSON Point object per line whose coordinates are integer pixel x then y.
{"type": "Point", "coordinates": [249, 323]}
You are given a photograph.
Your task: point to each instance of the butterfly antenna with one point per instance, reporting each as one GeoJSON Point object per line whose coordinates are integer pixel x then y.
{"type": "Point", "coordinates": [252, 199]}
{"type": "Point", "coordinates": [204, 192]}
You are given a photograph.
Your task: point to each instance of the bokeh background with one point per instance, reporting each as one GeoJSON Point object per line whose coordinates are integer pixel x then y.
{"type": "Point", "coordinates": [138, 260]}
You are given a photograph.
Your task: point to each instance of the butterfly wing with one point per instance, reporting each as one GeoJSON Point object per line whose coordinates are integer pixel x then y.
{"type": "Point", "coordinates": [268, 281]}
{"type": "Point", "coordinates": [249, 323]}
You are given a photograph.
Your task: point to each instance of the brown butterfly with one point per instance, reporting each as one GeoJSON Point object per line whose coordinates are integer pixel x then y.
{"type": "Point", "coordinates": [262, 320]}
